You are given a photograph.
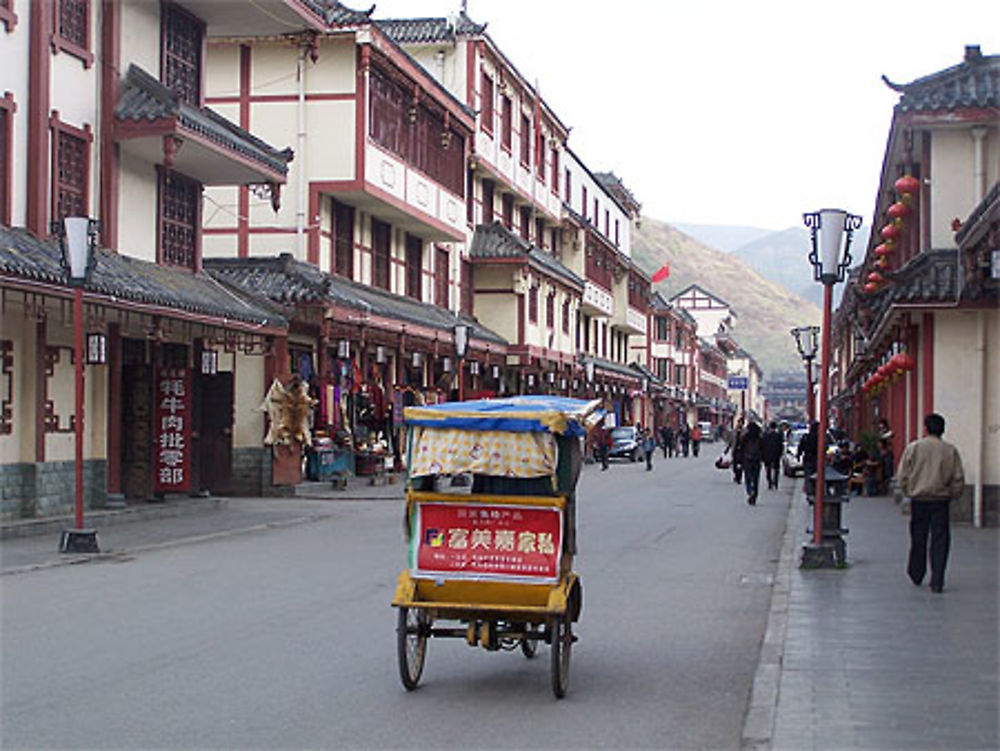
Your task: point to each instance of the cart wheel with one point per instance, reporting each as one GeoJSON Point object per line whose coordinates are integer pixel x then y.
{"type": "Point", "coordinates": [562, 643]}
{"type": "Point", "coordinates": [529, 647]}
{"type": "Point", "coordinates": [411, 646]}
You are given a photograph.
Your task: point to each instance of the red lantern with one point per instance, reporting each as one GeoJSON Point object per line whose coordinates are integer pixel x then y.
{"type": "Point", "coordinates": [883, 250]}
{"type": "Point", "coordinates": [882, 263]}
{"type": "Point", "coordinates": [875, 278]}
{"type": "Point", "coordinates": [869, 288]}
{"type": "Point", "coordinates": [908, 361]}
{"type": "Point", "coordinates": [890, 232]}
{"type": "Point", "coordinates": [898, 210]}
{"type": "Point", "coordinates": [907, 185]}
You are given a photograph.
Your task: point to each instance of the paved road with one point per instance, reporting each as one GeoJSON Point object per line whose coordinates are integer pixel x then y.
{"type": "Point", "coordinates": [283, 637]}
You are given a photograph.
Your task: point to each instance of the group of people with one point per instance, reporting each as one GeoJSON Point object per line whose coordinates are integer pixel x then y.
{"type": "Point", "coordinates": [751, 449]}
{"type": "Point", "coordinates": [681, 442]}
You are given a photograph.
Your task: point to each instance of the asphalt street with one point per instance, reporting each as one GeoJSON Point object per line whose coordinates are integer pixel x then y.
{"type": "Point", "coordinates": [277, 632]}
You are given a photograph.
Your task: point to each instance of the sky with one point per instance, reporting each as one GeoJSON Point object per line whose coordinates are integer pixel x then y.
{"type": "Point", "coordinates": [722, 111]}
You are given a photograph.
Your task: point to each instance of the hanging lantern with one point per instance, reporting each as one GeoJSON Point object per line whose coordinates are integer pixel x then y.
{"type": "Point", "coordinates": [909, 361]}
{"type": "Point", "coordinates": [907, 185]}
{"type": "Point", "coordinates": [898, 210]}
{"type": "Point", "coordinates": [869, 288]}
{"type": "Point", "coordinates": [882, 263]}
{"type": "Point", "coordinates": [883, 250]}
{"type": "Point", "coordinates": [875, 278]}
{"type": "Point", "coordinates": [890, 232]}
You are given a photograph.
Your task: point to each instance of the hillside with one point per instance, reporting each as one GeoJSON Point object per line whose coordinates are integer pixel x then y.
{"type": "Point", "coordinates": [766, 312]}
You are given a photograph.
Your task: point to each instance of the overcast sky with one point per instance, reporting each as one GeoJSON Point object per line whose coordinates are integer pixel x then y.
{"type": "Point", "coordinates": [726, 111]}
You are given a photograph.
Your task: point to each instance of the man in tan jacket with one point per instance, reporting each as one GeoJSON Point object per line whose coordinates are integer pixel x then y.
{"type": "Point", "coordinates": [930, 474]}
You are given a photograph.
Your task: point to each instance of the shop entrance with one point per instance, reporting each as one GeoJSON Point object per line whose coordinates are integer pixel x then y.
{"type": "Point", "coordinates": [137, 421]}
{"type": "Point", "coordinates": [214, 444]}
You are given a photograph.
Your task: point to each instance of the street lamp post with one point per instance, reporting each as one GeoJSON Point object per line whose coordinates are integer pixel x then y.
{"type": "Point", "coordinates": [830, 233]}
{"type": "Point", "coordinates": [807, 340]}
{"type": "Point", "coordinates": [461, 347]}
{"type": "Point", "coordinates": [77, 241]}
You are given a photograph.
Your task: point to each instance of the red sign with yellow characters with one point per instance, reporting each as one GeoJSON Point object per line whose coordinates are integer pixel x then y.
{"type": "Point", "coordinates": [481, 541]}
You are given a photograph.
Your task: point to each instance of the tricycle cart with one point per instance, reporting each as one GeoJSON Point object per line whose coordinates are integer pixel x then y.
{"type": "Point", "coordinates": [490, 506]}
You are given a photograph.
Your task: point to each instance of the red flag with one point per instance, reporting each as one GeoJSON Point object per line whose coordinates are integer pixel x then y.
{"type": "Point", "coordinates": [662, 274]}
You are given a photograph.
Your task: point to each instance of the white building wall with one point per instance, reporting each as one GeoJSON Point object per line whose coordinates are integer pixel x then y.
{"type": "Point", "coordinates": [580, 178]}
{"type": "Point", "coordinates": [140, 42]}
{"type": "Point", "coordinates": [14, 79]}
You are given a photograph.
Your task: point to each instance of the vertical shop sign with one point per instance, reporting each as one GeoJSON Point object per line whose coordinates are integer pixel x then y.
{"type": "Point", "coordinates": [173, 430]}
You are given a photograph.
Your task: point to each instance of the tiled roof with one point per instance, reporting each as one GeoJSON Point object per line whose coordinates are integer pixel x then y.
{"type": "Point", "coordinates": [496, 241]}
{"type": "Point", "coordinates": [931, 277]}
{"type": "Point", "coordinates": [614, 185]}
{"type": "Point", "coordinates": [143, 97]}
{"type": "Point", "coordinates": [615, 367]}
{"type": "Point", "coordinates": [429, 30]}
{"type": "Point", "coordinates": [287, 281]}
{"type": "Point", "coordinates": [338, 14]}
{"type": "Point", "coordinates": [989, 203]}
{"type": "Point", "coordinates": [24, 256]}
{"type": "Point", "coordinates": [975, 82]}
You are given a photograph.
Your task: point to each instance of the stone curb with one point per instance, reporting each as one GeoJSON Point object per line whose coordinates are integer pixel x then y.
{"type": "Point", "coordinates": [758, 724]}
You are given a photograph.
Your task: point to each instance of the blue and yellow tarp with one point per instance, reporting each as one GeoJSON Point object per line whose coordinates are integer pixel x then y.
{"type": "Point", "coordinates": [517, 414]}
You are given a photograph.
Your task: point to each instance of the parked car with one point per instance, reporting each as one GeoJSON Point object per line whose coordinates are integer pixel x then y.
{"type": "Point", "coordinates": [625, 442]}
{"type": "Point", "coordinates": [791, 463]}
{"type": "Point", "coordinates": [707, 433]}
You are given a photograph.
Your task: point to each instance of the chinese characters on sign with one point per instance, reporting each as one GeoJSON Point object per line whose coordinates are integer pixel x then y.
{"type": "Point", "coordinates": [172, 428]}
{"type": "Point", "coordinates": [480, 541]}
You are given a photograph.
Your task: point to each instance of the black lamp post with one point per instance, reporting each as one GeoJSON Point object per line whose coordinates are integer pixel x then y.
{"type": "Point", "coordinates": [807, 340]}
{"type": "Point", "coordinates": [831, 231]}
{"type": "Point", "coordinates": [77, 241]}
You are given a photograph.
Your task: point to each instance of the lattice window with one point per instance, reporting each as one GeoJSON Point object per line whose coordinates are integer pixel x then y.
{"type": "Point", "coordinates": [381, 254]}
{"type": "Point", "coordinates": [181, 61]}
{"type": "Point", "coordinates": [441, 280]}
{"type": "Point", "coordinates": [70, 169]}
{"type": "Point", "coordinates": [73, 22]}
{"type": "Point", "coordinates": [180, 201]}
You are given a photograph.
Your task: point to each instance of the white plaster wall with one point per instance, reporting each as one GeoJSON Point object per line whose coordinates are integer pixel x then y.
{"type": "Point", "coordinates": [952, 183]}
{"type": "Point", "coordinates": [137, 209]}
{"type": "Point", "coordinates": [62, 446]}
{"type": "Point", "coordinates": [334, 71]}
{"type": "Point", "coordinates": [140, 24]}
{"type": "Point", "coordinates": [18, 445]}
{"type": "Point", "coordinates": [14, 78]}
{"type": "Point", "coordinates": [222, 72]}
{"type": "Point", "coordinates": [956, 358]}
{"type": "Point", "coordinates": [249, 388]}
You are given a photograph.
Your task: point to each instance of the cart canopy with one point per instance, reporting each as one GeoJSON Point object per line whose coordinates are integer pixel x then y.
{"type": "Point", "coordinates": [517, 414]}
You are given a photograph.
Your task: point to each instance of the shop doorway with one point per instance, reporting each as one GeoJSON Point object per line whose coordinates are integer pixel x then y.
{"type": "Point", "coordinates": [214, 444]}
{"type": "Point", "coordinates": [137, 421]}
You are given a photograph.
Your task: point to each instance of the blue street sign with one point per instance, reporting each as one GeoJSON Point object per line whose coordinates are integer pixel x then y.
{"type": "Point", "coordinates": [738, 383]}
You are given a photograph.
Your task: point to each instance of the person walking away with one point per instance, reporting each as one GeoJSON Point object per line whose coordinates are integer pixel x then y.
{"type": "Point", "coordinates": [649, 447]}
{"type": "Point", "coordinates": [685, 438]}
{"type": "Point", "coordinates": [666, 434]}
{"type": "Point", "coordinates": [753, 448]}
{"type": "Point", "coordinates": [772, 447]}
{"type": "Point", "coordinates": [605, 447]}
{"type": "Point", "coordinates": [695, 439]}
{"type": "Point", "coordinates": [736, 448]}
{"type": "Point", "coordinates": [808, 452]}
{"type": "Point", "coordinates": [930, 474]}
{"type": "Point", "coordinates": [671, 441]}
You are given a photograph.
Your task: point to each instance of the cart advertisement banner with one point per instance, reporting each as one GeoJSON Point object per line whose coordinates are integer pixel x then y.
{"type": "Point", "coordinates": [172, 451]}
{"type": "Point", "coordinates": [478, 541]}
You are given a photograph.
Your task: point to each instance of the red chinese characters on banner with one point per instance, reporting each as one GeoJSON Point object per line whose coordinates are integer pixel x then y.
{"type": "Point", "coordinates": [483, 541]}
{"type": "Point", "coordinates": [172, 426]}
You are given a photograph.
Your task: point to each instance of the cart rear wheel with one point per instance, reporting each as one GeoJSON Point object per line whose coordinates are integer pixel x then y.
{"type": "Point", "coordinates": [529, 646]}
{"type": "Point", "coordinates": [562, 644]}
{"type": "Point", "coordinates": [411, 643]}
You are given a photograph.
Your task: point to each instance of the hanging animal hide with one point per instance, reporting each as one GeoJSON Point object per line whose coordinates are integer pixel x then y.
{"type": "Point", "coordinates": [288, 411]}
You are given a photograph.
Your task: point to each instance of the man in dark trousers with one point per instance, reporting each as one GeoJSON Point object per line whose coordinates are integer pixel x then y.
{"type": "Point", "coordinates": [771, 447]}
{"type": "Point", "coordinates": [930, 474]}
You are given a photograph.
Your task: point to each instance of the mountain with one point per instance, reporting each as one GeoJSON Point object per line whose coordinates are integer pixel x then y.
{"type": "Point", "coordinates": [724, 237]}
{"type": "Point", "coordinates": [781, 256]}
{"type": "Point", "coordinates": [766, 312]}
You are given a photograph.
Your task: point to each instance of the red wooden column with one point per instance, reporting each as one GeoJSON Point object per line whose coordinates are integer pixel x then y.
{"type": "Point", "coordinates": [41, 388]}
{"type": "Point", "coordinates": [913, 392]}
{"type": "Point", "coordinates": [927, 362]}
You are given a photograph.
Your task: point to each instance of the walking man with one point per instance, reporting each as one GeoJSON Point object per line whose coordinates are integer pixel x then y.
{"type": "Point", "coordinates": [648, 447]}
{"type": "Point", "coordinates": [772, 446]}
{"type": "Point", "coordinates": [930, 474]}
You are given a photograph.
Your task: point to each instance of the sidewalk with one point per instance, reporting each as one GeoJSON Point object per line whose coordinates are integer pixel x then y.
{"type": "Point", "coordinates": [862, 659]}
{"type": "Point", "coordinates": [34, 543]}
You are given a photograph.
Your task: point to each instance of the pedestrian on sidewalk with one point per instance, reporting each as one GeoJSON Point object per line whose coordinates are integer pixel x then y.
{"type": "Point", "coordinates": [808, 452]}
{"type": "Point", "coordinates": [685, 437]}
{"type": "Point", "coordinates": [772, 447]}
{"type": "Point", "coordinates": [736, 449]}
{"type": "Point", "coordinates": [649, 448]}
{"type": "Point", "coordinates": [930, 474]}
{"type": "Point", "coordinates": [695, 439]}
{"type": "Point", "coordinates": [752, 452]}
{"type": "Point", "coordinates": [667, 439]}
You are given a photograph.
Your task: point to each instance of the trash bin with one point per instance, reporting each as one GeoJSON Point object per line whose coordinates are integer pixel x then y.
{"type": "Point", "coordinates": [320, 463]}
